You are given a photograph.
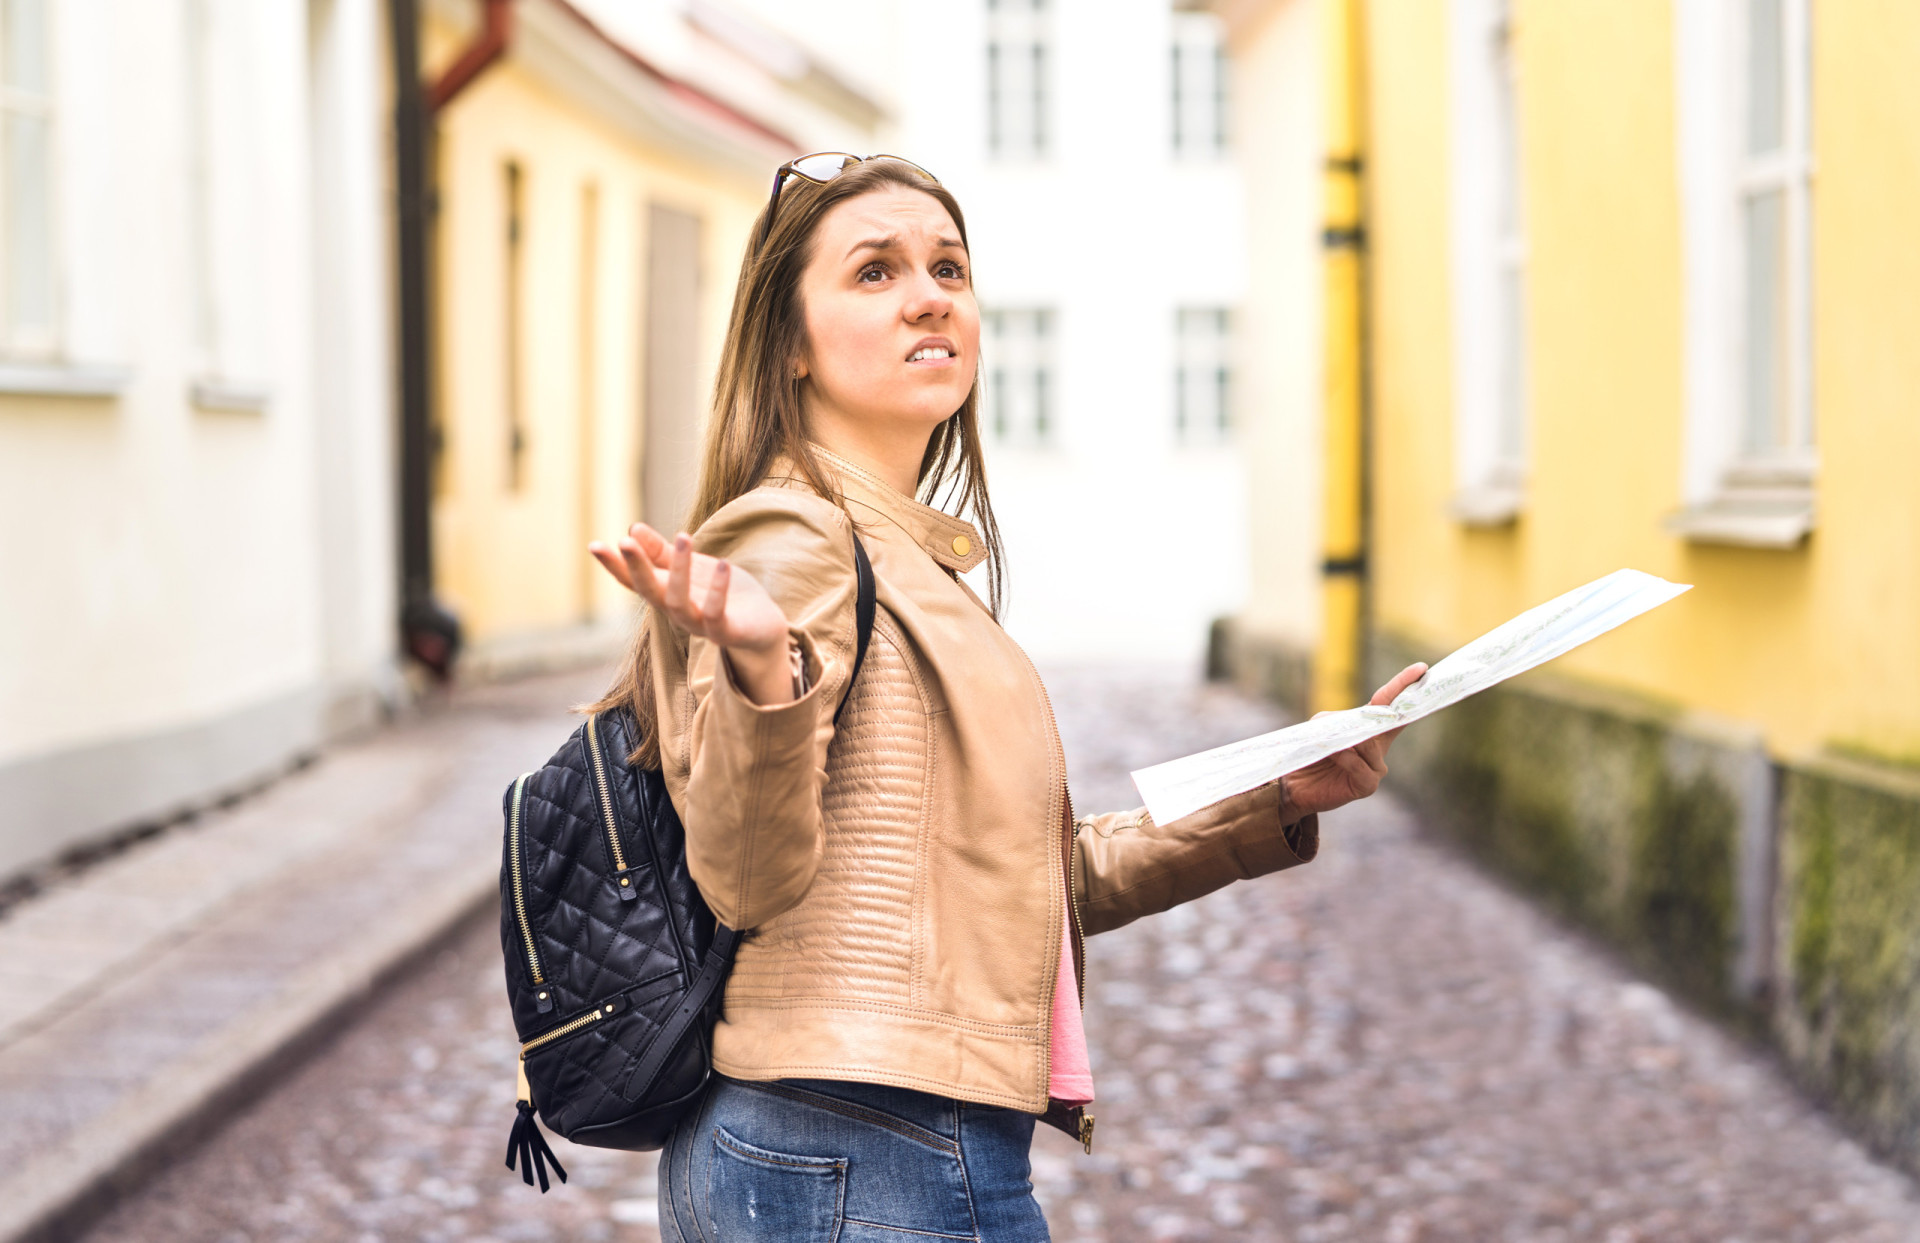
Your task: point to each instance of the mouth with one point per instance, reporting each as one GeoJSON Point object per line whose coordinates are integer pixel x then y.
{"type": "Point", "coordinates": [931, 354]}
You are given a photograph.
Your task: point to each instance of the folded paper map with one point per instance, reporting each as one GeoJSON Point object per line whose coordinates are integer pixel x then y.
{"type": "Point", "coordinates": [1182, 786]}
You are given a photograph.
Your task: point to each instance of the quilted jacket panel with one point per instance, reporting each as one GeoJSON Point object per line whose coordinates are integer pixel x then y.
{"type": "Point", "coordinates": [854, 928]}
{"type": "Point", "coordinates": [902, 876]}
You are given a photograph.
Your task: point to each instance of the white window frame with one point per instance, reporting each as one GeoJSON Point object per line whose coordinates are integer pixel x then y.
{"type": "Point", "coordinates": [225, 242]}
{"type": "Point", "coordinates": [1033, 361]}
{"type": "Point", "coordinates": [1199, 39]}
{"type": "Point", "coordinates": [1203, 363]}
{"type": "Point", "coordinates": [1732, 494]}
{"type": "Point", "coordinates": [1491, 410]}
{"type": "Point", "coordinates": [1023, 28]}
{"type": "Point", "coordinates": [40, 342]}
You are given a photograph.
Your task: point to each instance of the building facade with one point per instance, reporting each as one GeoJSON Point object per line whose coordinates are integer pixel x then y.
{"type": "Point", "coordinates": [201, 357]}
{"type": "Point", "coordinates": [195, 403]}
{"type": "Point", "coordinates": [595, 187]}
{"type": "Point", "coordinates": [1088, 142]}
{"type": "Point", "coordinates": [1637, 295]}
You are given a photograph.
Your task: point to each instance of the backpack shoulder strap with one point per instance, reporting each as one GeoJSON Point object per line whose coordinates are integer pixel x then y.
{"type": "Point", "coordinates": [864, 606]}
{"type": "Point", "coordinates": [719, 960]}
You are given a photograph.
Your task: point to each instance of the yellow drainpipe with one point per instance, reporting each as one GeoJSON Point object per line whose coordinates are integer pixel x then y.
{"type": "Point", "coordinates": [1336, 664]}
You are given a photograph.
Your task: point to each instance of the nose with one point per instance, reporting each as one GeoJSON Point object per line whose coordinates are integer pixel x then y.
{"type": "Point", "coordinates": [926, 300]}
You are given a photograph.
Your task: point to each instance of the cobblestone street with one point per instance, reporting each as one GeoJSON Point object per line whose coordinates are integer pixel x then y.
{"type": "Point", "coordinates": [1383, 1046]}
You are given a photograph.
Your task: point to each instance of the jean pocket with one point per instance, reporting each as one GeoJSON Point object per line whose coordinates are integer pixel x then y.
{"type": "Point", "coordinates": [756, 1193]}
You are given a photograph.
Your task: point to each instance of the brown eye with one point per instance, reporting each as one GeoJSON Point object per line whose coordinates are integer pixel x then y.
{"type": "Point", "coordinates": [872, 272]}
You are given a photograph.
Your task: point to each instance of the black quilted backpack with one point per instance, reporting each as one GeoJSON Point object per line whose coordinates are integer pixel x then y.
{"type": "Point", "coordinates": [614, 963]}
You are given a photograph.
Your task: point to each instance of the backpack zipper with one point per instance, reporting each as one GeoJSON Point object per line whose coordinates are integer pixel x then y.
{"type": "Point", "coordinates": [544, 997]}
{"type": "Point", "coordinates": [621, 873]}
{"type": "Point", "coordinates": [568, 1028]}
{"type": "Point", "coordinates": [522, 1089]}
{"type": "Point", "coordinates": [624, 881]}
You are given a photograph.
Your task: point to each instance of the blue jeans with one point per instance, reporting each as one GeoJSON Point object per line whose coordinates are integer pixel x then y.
{"type": "Point", "coordinates": [810, 1161]}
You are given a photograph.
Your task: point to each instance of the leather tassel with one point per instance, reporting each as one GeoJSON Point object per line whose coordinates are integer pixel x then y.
{"type": "Point", "coordinates": [530, 1147]}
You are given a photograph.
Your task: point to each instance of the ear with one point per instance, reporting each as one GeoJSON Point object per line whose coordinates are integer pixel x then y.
{"type": "Point", "coordinates": [798, 370]}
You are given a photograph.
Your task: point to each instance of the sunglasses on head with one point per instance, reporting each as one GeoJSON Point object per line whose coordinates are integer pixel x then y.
{"type": "Point", "coordinates": [820, 168]}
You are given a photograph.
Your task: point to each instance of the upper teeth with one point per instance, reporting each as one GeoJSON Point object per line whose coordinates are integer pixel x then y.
{"type": "Point", "coordinates": [931, 351]}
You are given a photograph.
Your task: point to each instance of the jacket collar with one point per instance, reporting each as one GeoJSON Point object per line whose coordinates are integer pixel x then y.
{"type": "Point", "coordinates": [948, 540]}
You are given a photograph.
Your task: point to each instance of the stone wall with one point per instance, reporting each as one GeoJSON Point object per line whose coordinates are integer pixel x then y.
{"type": "Point", "coordinates": [1781, 896]}
{"type": "Point", "coordinates": [1847, 1005]}
{"type": "Point", "coordinates": [1259, 665]}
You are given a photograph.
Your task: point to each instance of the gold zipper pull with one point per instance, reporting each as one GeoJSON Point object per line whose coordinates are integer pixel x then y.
{"type": "Point", "coordinates": [525, 1089]}
{"type": "Point", "coordinates": [1086, 1132]}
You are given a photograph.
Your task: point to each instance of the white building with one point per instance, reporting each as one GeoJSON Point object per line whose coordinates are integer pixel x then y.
{"type": "Point", "coordinates": [196, 413]}
{"type": "Point", "coordinates": [1087, 141]}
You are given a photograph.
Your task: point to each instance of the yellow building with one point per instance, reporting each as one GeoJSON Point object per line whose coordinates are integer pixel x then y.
{"type": "Point", "coordinates": [1639, 291]}
{"type": "Point", "coordinates": [595, 185]}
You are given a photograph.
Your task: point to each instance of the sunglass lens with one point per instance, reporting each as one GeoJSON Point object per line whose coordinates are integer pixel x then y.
{"type": "Point", "coordinates": [824, 166]}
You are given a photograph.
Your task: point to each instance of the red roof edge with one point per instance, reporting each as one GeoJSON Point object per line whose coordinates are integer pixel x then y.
{"type": "Point", "coordinates": [677, 87]}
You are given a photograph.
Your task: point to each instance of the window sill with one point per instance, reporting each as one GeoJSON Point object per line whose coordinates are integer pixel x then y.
{"type": "Point", "coordinates": [1779, 521]}
{"type": "Point", "coordinates": [63, 380]}
{"type": "Point", "coordinates": [1488, 505]}
{"type": "Point", "coordinates": [224, 396]}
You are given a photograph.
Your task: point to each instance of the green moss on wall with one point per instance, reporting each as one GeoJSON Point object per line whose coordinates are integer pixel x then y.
{"type": "Point", "coordinates": [1849, 1005]}
{"type": "Point", "coordinates": [1582, 806]}
{"type": "Point", "coordinates": [1680, 901]}
{"type": "Point", "coordinates": [1617, 817]}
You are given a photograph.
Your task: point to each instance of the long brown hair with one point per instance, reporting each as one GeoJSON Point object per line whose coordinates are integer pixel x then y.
{"type": "Point", "coordinates": [758, 415]}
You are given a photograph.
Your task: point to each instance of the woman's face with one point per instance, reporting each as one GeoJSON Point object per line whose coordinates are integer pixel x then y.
{"type": "Point", "coordinates": [893, 332]}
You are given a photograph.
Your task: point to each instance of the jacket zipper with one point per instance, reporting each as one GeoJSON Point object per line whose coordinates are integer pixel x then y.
{"type": "Point", "coordinates": [544, 995]}
{"type": "Point", "coordinates": [1083, 1118]}
{"type": "Point", "coordinates": [1073, 906]}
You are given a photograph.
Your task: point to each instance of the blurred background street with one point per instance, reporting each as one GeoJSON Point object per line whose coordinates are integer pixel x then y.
{"type": "Point", "coordinates": [1382, 1046]}
{"type": "Point", "coordinates": [1319, 336]}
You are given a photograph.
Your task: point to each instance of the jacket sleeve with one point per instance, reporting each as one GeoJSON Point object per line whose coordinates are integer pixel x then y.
{"type": "Point", "coordinates": [1130, 866]}
{"type": "Point", "coordinates": [753, 816]}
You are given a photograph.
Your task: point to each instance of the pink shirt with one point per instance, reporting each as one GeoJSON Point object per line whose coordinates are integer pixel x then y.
{"type": "Point", "coordinates": [1072, 1079]}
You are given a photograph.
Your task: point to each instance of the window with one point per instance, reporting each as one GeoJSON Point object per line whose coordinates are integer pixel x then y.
{"type": "Point", "coordinates": [26, 164]}
{"type": "Point", "coordinates": [200, 223]}
{"type": "Point", "coordinates": [1199, 86]}
{"type": "Point", "coordinates": [514, 292]}
{"type": "Point", "coordinates": [1746, 164]}
{"type": "Point", "coordinates": [1017, 78]}
{"type": "Point", "coordinates": [1018, 397]}
{"type": "Point", "coordinates": [1775, 416]}
{"type": "Point", "coordinates": [1489, 259]}
{"type": "Point", "coordinates": [1202, 342]}
{"type": "Point", "coordinates": [226, 233]}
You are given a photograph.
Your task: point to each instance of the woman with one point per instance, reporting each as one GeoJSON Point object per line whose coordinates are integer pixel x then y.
{"type": "Point", "coordinates": [913, 879]}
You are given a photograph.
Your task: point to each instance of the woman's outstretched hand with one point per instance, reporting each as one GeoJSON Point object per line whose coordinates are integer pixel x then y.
{"type": "Point", "coordinates": [1346, 775]}
{"type": "Point", "coordinates": [707, 596]}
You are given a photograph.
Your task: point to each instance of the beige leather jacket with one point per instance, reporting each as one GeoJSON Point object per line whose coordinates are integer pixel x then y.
{"type": "Point", "coordinates": [902, 877]}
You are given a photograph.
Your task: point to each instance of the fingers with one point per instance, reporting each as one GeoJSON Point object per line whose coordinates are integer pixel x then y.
{"type": "Point", "coordinates": [651, 543]}
{"type": "Point", "coordinates": [680, 575]}
{"type": "Point", "coordinates": [610, 562]}
{"type": "Point", "coordinates": [1373, 753]}
{"type": "Point", "coordinates": [1361, 767]}
{"type": "Point", "coordinates": [641, 575]}
{"type": "Point", "coordinates": [1401, 681]}
{"type": "Point", "coordinates": [714, 609]}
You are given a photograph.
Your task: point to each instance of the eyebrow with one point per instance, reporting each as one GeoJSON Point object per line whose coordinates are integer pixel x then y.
{"type": "Point", "coordinates": [892, 242]}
